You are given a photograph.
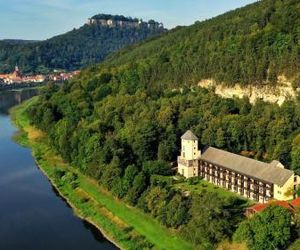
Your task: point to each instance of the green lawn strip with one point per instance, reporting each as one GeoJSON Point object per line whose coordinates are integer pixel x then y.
{"type": "Point", "coordinates": [17, 113]}
{"type": "Point", "coordinates": [89, 212]}
{"type": "Point", "coordinates": [143, 224]}
{"type": "Point", "coordinates": [83, 209]}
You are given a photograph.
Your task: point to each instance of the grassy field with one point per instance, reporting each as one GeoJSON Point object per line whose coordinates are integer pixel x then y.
{"type": "Point", "coordinates": [205, 186]}
{"type": "Point", "coordinates": [126, 226]}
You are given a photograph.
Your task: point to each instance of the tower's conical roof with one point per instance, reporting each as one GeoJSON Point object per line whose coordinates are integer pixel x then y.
{"type": "Point", "coordinates": [189, 136]}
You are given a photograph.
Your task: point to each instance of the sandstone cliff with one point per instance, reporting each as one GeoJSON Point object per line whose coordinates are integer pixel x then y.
{"type": "Point", "coordinates": [274, 94]}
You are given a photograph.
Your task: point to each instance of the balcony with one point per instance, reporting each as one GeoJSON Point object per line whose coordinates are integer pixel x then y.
{"type": "Point", "coordinates": [187, 163]}
{"type": "Point", "coordinates": [269, 193]}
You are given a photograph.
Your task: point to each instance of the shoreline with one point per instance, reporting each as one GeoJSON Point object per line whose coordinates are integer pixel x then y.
{"type": "Point", "coordinates": [125, 227]}
{"type": "Point", "coordinates": [4, 88]}
{"type": "Point", "coordinates": [75, 210]}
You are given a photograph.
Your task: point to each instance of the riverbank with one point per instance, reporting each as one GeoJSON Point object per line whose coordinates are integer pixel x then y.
{"type": "Point", "coordinates": [125, 226]}
{"type": "Point", "coordinates": [6, 87]}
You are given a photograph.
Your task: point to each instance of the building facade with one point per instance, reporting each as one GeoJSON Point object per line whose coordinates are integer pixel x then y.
{"type": "Point", "coordinates": [125, 22]}
{"type": "Point", "coordinates": [250, 178]}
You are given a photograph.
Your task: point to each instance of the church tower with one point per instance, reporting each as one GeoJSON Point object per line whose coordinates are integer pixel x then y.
{"type": "Point", "coordinates": [188, 159]}
{"type": "Point", "coordinates": [17, 72]}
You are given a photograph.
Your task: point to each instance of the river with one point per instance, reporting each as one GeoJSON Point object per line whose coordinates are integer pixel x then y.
{"type": "Point", "coordinates": [32, 215]}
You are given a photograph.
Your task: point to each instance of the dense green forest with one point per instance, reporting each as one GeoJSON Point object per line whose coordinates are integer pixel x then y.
{"type": "Point", "coordinates": [121, 122]}
{"type": "Point", "coordinates": [73, 50]}
{"type": "Point", "coordinates": [125, 137]}
{"type": "Point", "coordinates": [250, 45]}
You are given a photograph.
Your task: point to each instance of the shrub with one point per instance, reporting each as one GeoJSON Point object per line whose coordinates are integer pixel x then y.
{"type": "Point", "coordinates": [74, 184]}
{"type": "Point", "coordinates": [58, 173]}
{"type": "Point", "coordinates": [84, 199]}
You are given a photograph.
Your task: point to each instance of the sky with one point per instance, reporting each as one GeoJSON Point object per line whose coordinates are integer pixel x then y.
{"type": "Point", "coordinates": [42, 19]}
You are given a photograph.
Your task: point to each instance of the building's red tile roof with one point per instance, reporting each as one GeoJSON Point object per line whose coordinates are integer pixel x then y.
{"type": "Point", "coordinates": [295, 203]}
{"type": "Point", "coordinates": [284, 204]}
{"type": "Point", "coordinates": [260, 207]}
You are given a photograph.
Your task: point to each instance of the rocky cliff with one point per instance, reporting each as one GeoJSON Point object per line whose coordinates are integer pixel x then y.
{"type": "Point", "coordinates": [278, 93]}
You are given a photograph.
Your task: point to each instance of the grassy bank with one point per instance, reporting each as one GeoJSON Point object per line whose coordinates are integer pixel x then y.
{"type": "Point", "coordinates": [127, 227]}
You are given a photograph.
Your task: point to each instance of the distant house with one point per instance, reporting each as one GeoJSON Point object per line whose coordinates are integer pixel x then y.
{"type": "Point", "coordinates": [250, 178]}
{"type": "Point", "coordinates": [258, 208]}
{"type": "Point", "coordinates": [295, 203]}
{"type": "Point", "coordinates": [3, 76]}
{"type": "Point", "coordinates": [17, 77]}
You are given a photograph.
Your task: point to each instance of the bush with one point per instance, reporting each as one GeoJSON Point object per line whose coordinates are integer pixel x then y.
{"type": "Point", "coordinates": [140, 242]}
{"type": "Point", "coordinates": [193, 180]}
{"type": "Point", "coordinates": [127, 229]}
{"type": "Point", "coordinates": [270, 229]}
{"type": "Point", "coordinates": [179, 179]}
{"type": "Point", "coordinates": [58, 174]}
{"type": "Point", "coordinates": [84, 199]}
{"type": "Point", "coordinates": [70, 177]}
{"type": "Point", "coordinates": [157, 168]}
{"type": "Point", "coordinates": [162, 181]}
{"type": "Point", "coordinates": [74, 184]}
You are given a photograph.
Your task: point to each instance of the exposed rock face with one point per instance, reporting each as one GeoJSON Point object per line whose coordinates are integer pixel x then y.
{"type": "Point", "coordinates": [274, 94]}
{"type": "Point", "coordinates": [122, 21]}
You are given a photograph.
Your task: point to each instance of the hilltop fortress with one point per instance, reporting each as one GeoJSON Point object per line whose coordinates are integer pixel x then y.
{"type": "Point", "coordinates": [122, 21]}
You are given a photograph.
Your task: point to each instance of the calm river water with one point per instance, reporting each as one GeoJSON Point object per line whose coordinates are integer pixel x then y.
{"type": "Point", "coordinates": [32, 215]}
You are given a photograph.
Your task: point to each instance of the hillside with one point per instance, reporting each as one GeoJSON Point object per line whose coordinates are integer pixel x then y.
{"type": "Point", "coordinates": [120, 122]}
{"type": "Point", "coordinates": [251, 45]}
{"type": "Point", "coordinates": [16, 41]}
{"type": "Point", "coordinates": [78, 48]}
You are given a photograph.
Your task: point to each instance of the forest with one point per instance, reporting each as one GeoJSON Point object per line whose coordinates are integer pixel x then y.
{"type": "Point", "coordinates": [251, 45]}
{"type": "Point", "coordinates": [71, 51]}
{"type": "Point", "coordinates": [120, 122]}
{"type": "Point", "coordinates": [127, 136]}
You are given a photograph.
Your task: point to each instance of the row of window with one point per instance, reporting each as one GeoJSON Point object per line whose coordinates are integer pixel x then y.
{"type": "Point", "coordinates": [262, 196]}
